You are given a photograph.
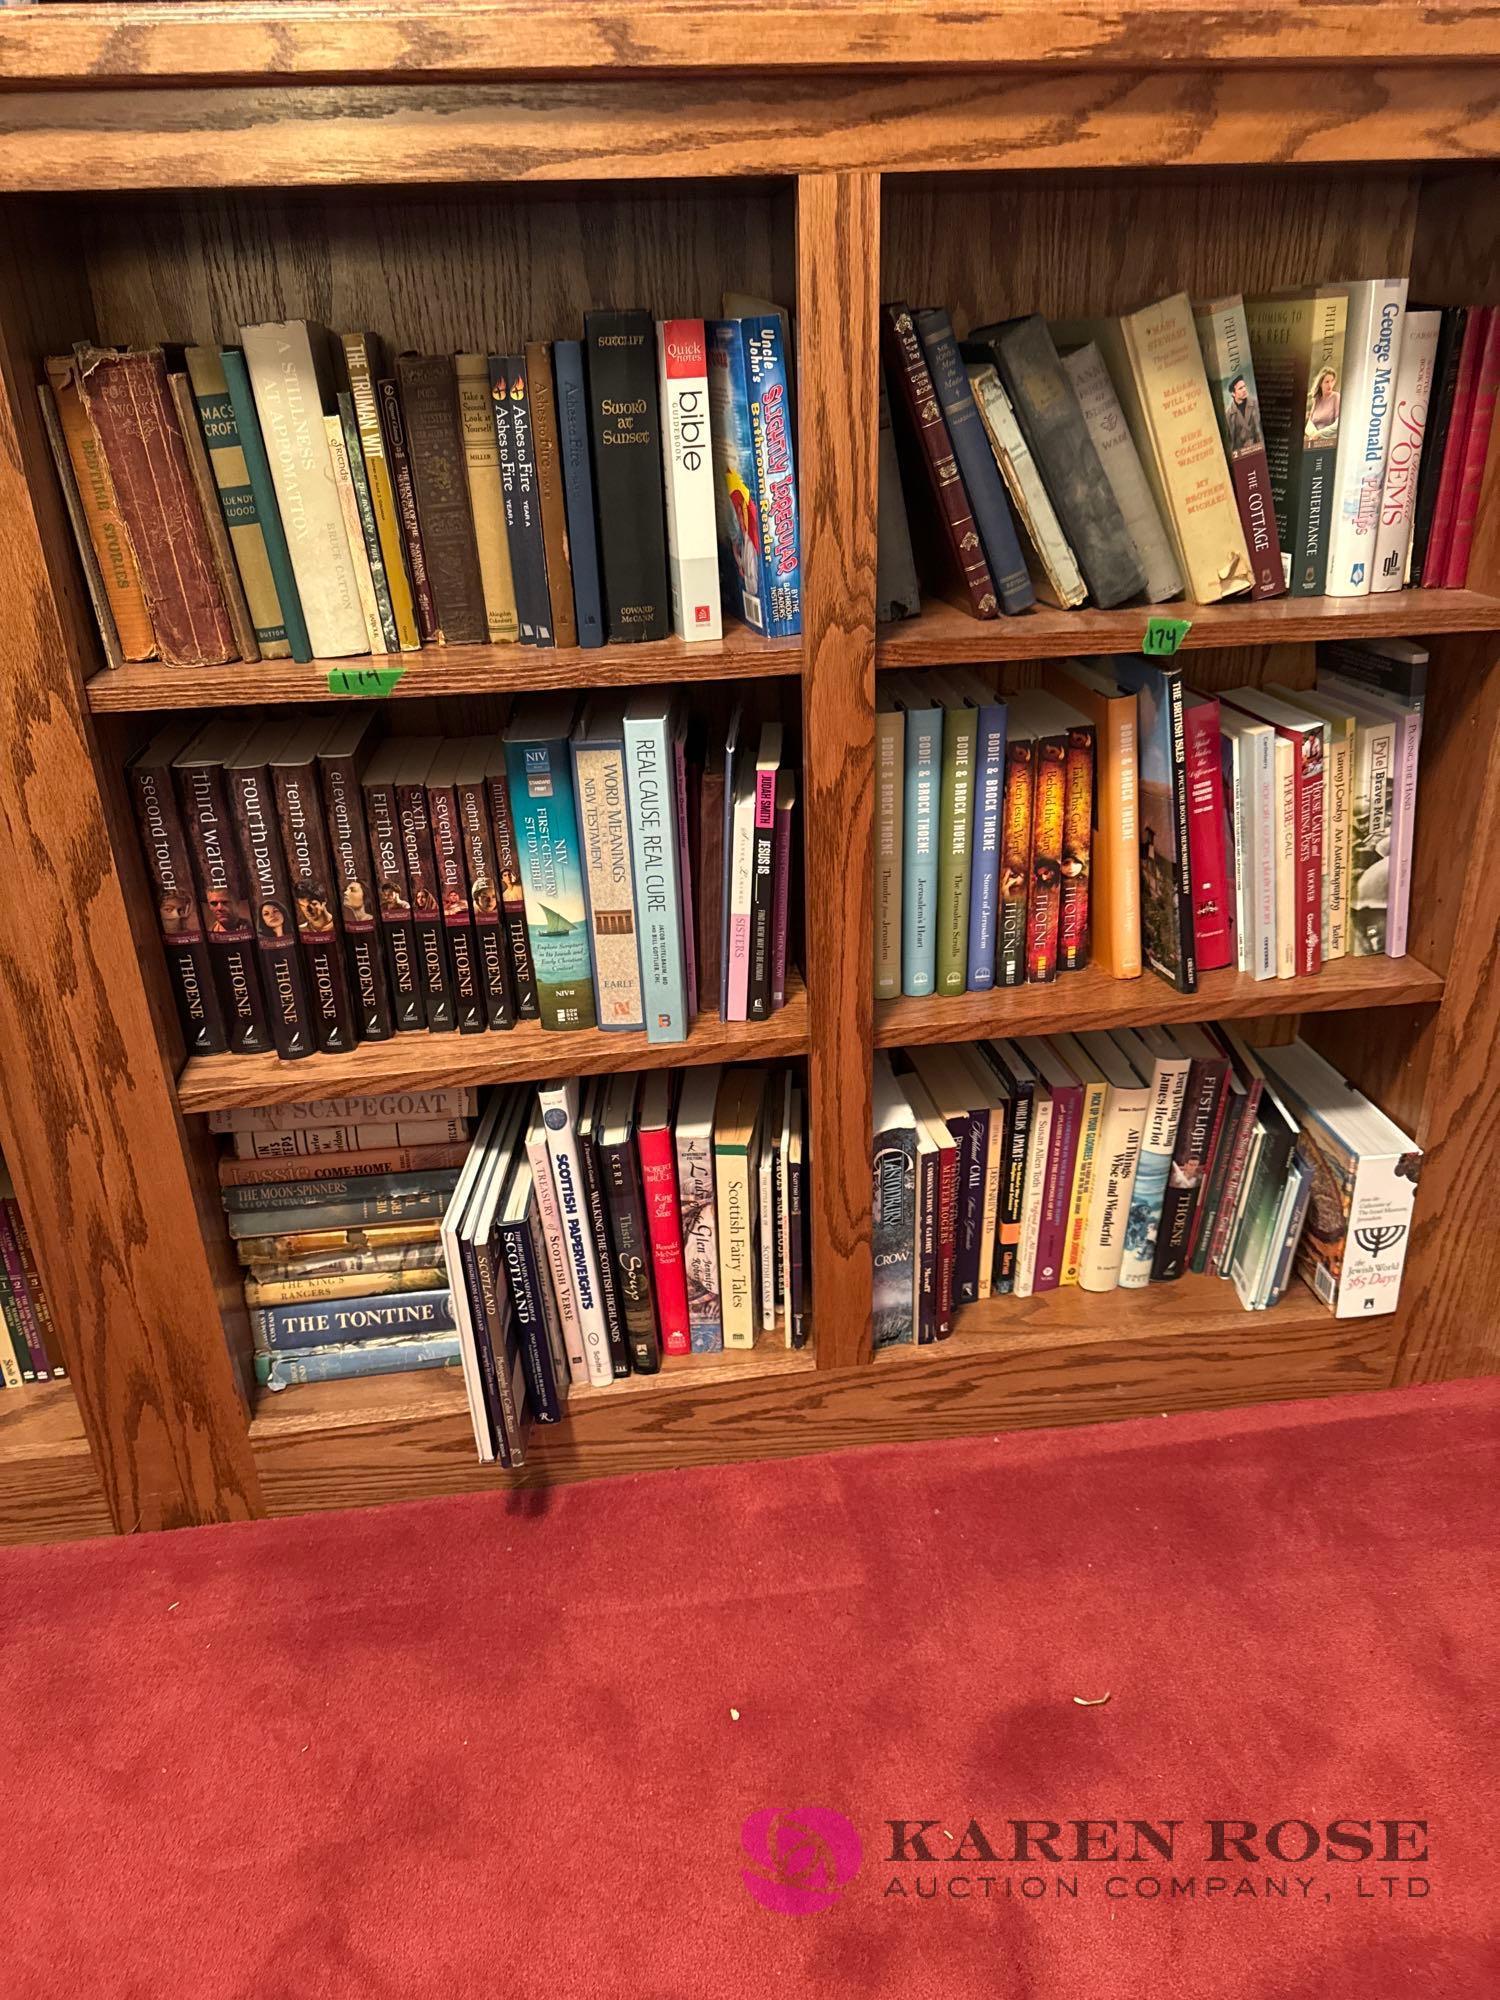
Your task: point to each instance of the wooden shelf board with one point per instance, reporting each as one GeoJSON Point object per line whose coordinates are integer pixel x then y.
{"type": "Point", "coordinates": [1091, 999]}
{"type": "Point", "coordinates": [527, 1053]}
{"type": "Point", "coordinates": [942, 634]}
{"type": "Point", "coordinates": [49, 1489]}
{"type": "Point", "coordinates": [740, 655]}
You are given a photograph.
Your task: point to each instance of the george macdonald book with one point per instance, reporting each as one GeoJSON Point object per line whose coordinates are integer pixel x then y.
{"type": "Point", "coordinates": [976, 461]}
{"type": "Point", "coordinates": [218, 871]}
{"type": "Point", "coordinates": [169, 867]}
{"type": "Point", "coordinates": [578, 488]}
{"type": "Point", "coordinates": [547, 853]}
{"type": "Point", "coordinates": [628, 496]}
{"type": "Point", "coordinates": [1167, 938]}
{"type": "Point", "coordinates": [342, 756]}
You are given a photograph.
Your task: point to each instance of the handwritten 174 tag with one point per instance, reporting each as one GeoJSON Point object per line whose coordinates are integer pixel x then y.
{"type": "Point", "coordinates": [1165, 635]}
{"type": "Point", "coordinates": [373, 681]}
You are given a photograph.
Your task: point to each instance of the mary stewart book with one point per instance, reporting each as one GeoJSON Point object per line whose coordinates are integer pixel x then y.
{"type": "Point", "coordinates": [510, 406]}
{"type": "Point", "coordinates": [578, 489]}
{"type": "Point", "coordinates": [238, 500]}
{"type": "Point", "coordinates": [619, 1163]}
{"type": "Point", "coordinates": [547, 445]}
{"type": "Point", "coordinates": [486, 500]}
{"type": "Point", "coordinates": [470, 997]}
{"type": "Point", "coordinates": [628, 497]}
{"type": "Point", "coordinates": [129, 404]}
{"type": "Point", "coordinates": [1225, 340]}
{"type": "Point", "coordinates": [342, 755]}
{"type": "Point", "coordinates": [481, 874]}
{"type": "Point", "coordinates": [1167, 939]}
{"type": "Point", "coordinates": [1051, 418]}
{"type": "Point", "coordinates": [1192, 1150]}
{"type": "Point", "coordinates": [1211, 855]}
{"type": "Point", "coordinates": [943, 523]}
{"type": "Point", "coordinates": [383, 820]}
{"type": "Point", "coordinates": [272, 914]}
{"type": "Point", "coordinates": [404, 487]}
{"type": "Point", "coordinates": [976, 460]}
{"type": "Point", "coordinates": [512, 895]}
{"type": "Point", "coordinates": [545, 817]}
{"type": "Point", "coordinates": [218, 872]}
{"type": "Point", "coordinates": [422, 878]}
{"type": "Point", "coordinates": [299, 808]}
{"type": "Point", "coordinates": [170, 869]}
{"type": "Point", "coordinates": [118, 569]}
{"type": "Point", "coordinates": [439, 467]}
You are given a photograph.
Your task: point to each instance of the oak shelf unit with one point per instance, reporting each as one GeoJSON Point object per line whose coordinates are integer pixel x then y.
{"type": "Point", "coordinates": [478, 179]}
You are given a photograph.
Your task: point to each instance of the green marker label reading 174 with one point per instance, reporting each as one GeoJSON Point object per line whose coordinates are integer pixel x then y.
{"type": "Point", "coordinates": [1165, 635]}
{"type": "Point", "coordinates": [369, 681]}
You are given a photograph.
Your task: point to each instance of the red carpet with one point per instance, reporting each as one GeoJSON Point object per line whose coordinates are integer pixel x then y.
{"type": "Point", "coordinates": [490, 1747]}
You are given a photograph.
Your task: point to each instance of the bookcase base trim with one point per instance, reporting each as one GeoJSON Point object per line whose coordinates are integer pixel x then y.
{"type": "Point", "coordinates": [411, 1440]}
{"type": "Point", "coordinates": [49, 1487]}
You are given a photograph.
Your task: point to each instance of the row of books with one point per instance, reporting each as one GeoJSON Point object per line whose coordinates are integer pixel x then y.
{"type": "Point", "coordinates": [1118, 814]}
{"type": "Point", "coordinates": [582, 1232]}
{"type": "Point", "coordinates": [1127, 1159]}
{"type": "Point", "coordinates": [616, 866]}
{"type": "Point", "coordinates": [1325, 442]}
{"type": "Point", "coordinates": [302, 495]}
{"type": "Point", "coordinates": [28, 1341]}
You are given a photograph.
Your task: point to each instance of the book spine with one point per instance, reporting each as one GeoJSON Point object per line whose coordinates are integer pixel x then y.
{"type": "Point", "coordinates": [336, 1364]}
{"type": "Point", "coordinates": [268, 513]}
{"type": "Point", "coordinates": [382, 817]}
{"type": "Point", "coordinates": [363, 373]}
{"type": "Point", "coordinates": [1186, 970]}
{"type": "Point", "coordinates": [93, 575]}
{"type": "Point", "coordinates": [924, 1301]}
{"type": "Point", "coordinates": [688, 479]}
{"type": "Point", "coordinates": [226, 909]}
{"type": "Point", "coordinates": [541, 799]}
{"type": "Point", "coordinates": [548, 455]}
{"type": "Point", "coordinates": [742, 581]}
{"type": "Point", "coordinates": [737, 1192]}
{"type": "Point", "coordinates": [312, 1291]}
{"type": "Point", "coordinates": [1038, 529]}
{"type": "Point", "coordinates": [470, 996]}
{"type": "Point", "coordinates": [578, 490]}
{"type": "Point", "coordinates": [426, 909]}
{"type": "Point", "coordinates": [358, 900]}
{"type": "Point", "coordinates": [526, 1280]}
{"type": "Point", "coordinates": [494, 1342]}
{"type": "Point", "coordinates": [968, 1130]}
{"type": "Point", "coordinates": [1454, 322]}
{"type": "Point", "coordinates": [1048, 812]}
{"type": "Point", "coordinates": [609, 879]}
{"type": "Point", "coordinates": [627, 473]}
{"type": "Point", "coordinates": [1037, 1153]}
{"type": "Point", "coordinates": [309, 871]}
{"type": "Point", "coordinates": [335, 1190]}
{"type": "Point", "coordinates": [924, 740]}
{"type": "Point", "coordinates": [1409, 409]}
{"type": "Point", "coordinates": [1152, 1169]}
{"type": "Point", "coordinates": [762, 897]}
{"type": "Point", "coordinates": [1225, 340]}
{"type": "Point", "coordinates": [129, 404]}
{"type": "Point", "coordinates": [343, 1172]}
{"type": "Point", "coordinates": [1372, 357]}
{"type": "Point", "coordinates": [1193, 1145]}
{"type": "Point", "coordinates": [210, 512]}
{"type": "Point", "coordinates": [14, 1273]}
{"type": "Point", "coordinates": [896, 591]}
{"type": "Point", "coordinates": [1216, 1168]}
{"type": "Point", "coordinates": [1234, 1179]}
{"type": "Point", "coordinates": [478, 851]}
{"type": "Point", "coordinates": [238, 502]}
{"type": "Point", "coordinates": [369, 1136]}
{"type": "Point", "coordinates": [404, 489]}
{"type": "Point", "coordinates": [708, 866]}
{"type": "Point", "coordinates": [1118, 1156]}
{"type": "Point", "coordinates": [1475, 458]}
{"type": "Point", "coordinates": [1095, 1103]}
{"type": "Point", "coordinates": [771, 433]}
{"type": "Point", "coordinates": [929, 453]}
{"type": "Point", "coordinates": [1115, 863]}
{"type": "Point", "coordinates": [36, 1291]}
{"type": "Point", "coordinates": [1057, 1187]}
{"type": "Point", "coordinates": [609, 1289]}
{"type": "Point", "coordinates": [890, 769]}
{"type": "Point", "coordinates": [179, 919]}
{"type": "Point", "coordinates": [796, 1288]}
{"type": "Point", "coordinates": [513, 901]}
{"type": "Point", "coordinates": [1077, 851]}
{"type": "Point", "coordinates": [550, 1225]}
{"type": "Point", "coordinates": [1015, 860]}
{"type": "Point", "coordinates": [627, 1225]}
{"type": "Point", "coordinates": [439, 470]}
{"type": "Point", "coordinates": [309, 1114]}
{"type": "Point", "coordinates": [1017, 1134]}
{"type": "Point", "coordinates": [119, 572]}
{"type": "Point", "coordinates": [333, 1322]}
{"type": "Point", "coordinates": [653, 842]}
{"type": "Point", "coordinates": [250, 1225]}
{"type": "Point", "coordinates": [369, 527]}
{"type": "Point", "coordinates": [892, 1237]}
{"type": "Point", "coordinates": [741, 884]}
{"type": "Point", "coordinates": [1213, 928]}
{"type": "Point", "coordinates": [664, 1229]}
{"type": "Point", "coordinates": [471, 374]}
{"type": "Point", "coordinates": [700, 1240]}
{"type": "Point", "coordinates": [521, 497]}
{"type": "Point", "coordinates": [567, 1175]}
{"type": "Point", "coordinates": [956, 832]}
{"type": "Point", "coordinates": [975, 460]}
{"type": "Point", "coordinates": [1445, 507]}
{"type": "Point", "coordinates": [1408, 751]}
{"type": "Point", "coordinates": [782, 891]}
{"type": "Point", "coordinates": [1110, 436]}
{"type": "Point", "coordinates": [364, 581]}
{"type": "Point", "coordinates": [1307, 781]}
{"type": "Point", "coordinates": [13, 1348]}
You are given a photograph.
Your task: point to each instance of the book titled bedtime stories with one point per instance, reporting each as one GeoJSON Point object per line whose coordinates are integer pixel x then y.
{"type": "Point", "coordinates": [547, 850]}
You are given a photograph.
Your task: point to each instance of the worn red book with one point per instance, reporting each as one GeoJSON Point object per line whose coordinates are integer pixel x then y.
{"type": "Point", "coordinates": [658, 1153]}
{"type": "Point", "coordinates": [1455, 451]}
{"type": "Point", "coordinates": [1476, 451]}
{"type": "Point", "coordinates": [1208, 850]}
{"type": "Point", "coordinates": [129, 403]}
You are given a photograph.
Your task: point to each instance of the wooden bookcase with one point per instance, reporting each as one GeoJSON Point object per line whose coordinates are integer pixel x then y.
{"type": "Point", "coordinates": [473, 177]}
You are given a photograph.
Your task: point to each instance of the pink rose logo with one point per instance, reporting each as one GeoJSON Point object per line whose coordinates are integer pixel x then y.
{"type": "Point", "coordinates": [803, 1857]}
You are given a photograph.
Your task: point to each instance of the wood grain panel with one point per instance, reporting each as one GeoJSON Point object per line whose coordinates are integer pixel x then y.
{"type": "Point", "coordinates": [49, 1489]}
{"type": "Point", "coordinates": [837, 224]}
{"type": "Point", "coordinates": [87, 1115]}
{"type": "Point", "coordinates": [264, 39]}
{"type": "Point", "coordinates": [319, 135]}
{"type": "Point", "coordinates": [527, 1053]}
{"type": "Point", "coordinates": [1066, 1363]}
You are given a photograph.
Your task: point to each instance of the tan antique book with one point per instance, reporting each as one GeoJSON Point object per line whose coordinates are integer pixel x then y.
{"type": "Point", "coordinates": [101, 510]}
{"type": "Point", "coordinates": [364, 363]}
{"type": "Point", "coordinates": [482, 456]}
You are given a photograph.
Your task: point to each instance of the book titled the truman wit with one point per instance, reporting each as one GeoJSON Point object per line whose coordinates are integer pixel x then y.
{"type": "Point", "coordinates": [540, 782]}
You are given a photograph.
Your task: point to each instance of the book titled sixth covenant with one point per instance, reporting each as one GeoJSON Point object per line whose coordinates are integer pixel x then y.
{"type": "Point", "coordinates": [541, 801]}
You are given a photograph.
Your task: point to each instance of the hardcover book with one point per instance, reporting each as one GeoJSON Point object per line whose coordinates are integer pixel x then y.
{"type": "Point", "coordinates": [1167, 939]}
{"type": "Point", "coordinates": [894, 1223]}
{"type": "Point", "coordinates": [769, 386]}
{"type": "Point", "coordinates": [304, 844]}
{"type": "Point", "coordinates": [896, 591]}
{"type": "Point", "coordinates": [1445, 374]}
{"type": "Point", "coordinates": [989, 799]}
{"type": "Point", "coordinates": [512, 895]}
{"type": "Point", "coordinates": [1297, 348]}
{"type": "Point", "coordinates": [1110, 436]}
{"type": "Point", "coordinates": [1049, 560]}
{"type": "Point", "coordinates": [119, 572]}
{"type": "Point", "coordinates": [1372, 356]}
{"type": "Point", "coordinates": [921, 831]}
{"type": "Point", "coordinates": [169, 869]}
{"type": "Point", "coordinates": [1158, 1061]}
{"type": "Point", "coordinates": [364, 365]}
{"type": "Point", "coordinates": [471, 373]}
{"type": "Point", "coordinates": [218, 873]}
{"type": "Point", "coordinates": [470, 1000]}
{"type": "Point", "coordinates": [520, 489]}
{"type": "Point", "coordinates": [542, 805]}
{"type": "Point", "coordinates": [590, 1124]}
{"type": "Point", "coordinates": [1209, 851]}
{"type": "Point", "coordinates": [688, 476]}
{"type": "Point", "coordinates": [272, 915]}
{"type": "Point", "coordinates": [663, 1211]}
{"type": "Point", "coordinates": [438, 456]}
{"type": "Point", "coordinates": [393, 892]}
{"type": "Point", "coordinates": [627, 473]}
{"type": "Point", "coordinates": [738, 1113]}
{"type": "Point", "coordinates": [1420, 332]}
{"type": "Point", "coordinates": [221, 549]}
{"type": "Point", "coordinates": [547, 451]}
{"type": "Point", "coordinates": [649, 723]}
{"type": "Point", "coordinates": [695, 1187]}
{"type": "Point", "coordinates": [1192, 1152]}
{"type": "Point", "coordinates": [342, 755]}
{"type": "Point", "coordinates": [481, 875]}
{"type": "Point", "coordinates": [1114, 870]}
{"type": "Point", "coordinates": [1225, 340]}
{"type": "Point", "coordinates": [238, 501]}
{"type": "Point", "coordinates": [404, 486]}
{"type": "Point", "coordinates": [955, 825]}
{"type": "Point", "coordinates": [620, 1165]}
{"type": "Point", "coordinates": [578, 490]}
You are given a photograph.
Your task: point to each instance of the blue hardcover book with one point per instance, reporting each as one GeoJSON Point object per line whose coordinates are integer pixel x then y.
{"type": "Point", "coordinates": [976, 461]}
{"type": "Point", "coordinates": [650, 721]}
{"type": "Point", "coordinates": [258, 467]}
{"type": "Point", "coordinates": [771, 430]}
{"type": "Point", "coordinates": [539, 779]}
{"type": "Point", "coordinates": [919, 871]}
{"type": "Point", "coordinates": [372, 1357]}
{"type": "Point", "coordinates": [338, 1322]}
{"type": "Point", "coordinates": [989, 798]}
{"type": "Point", "coordinates": [578, 488]}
